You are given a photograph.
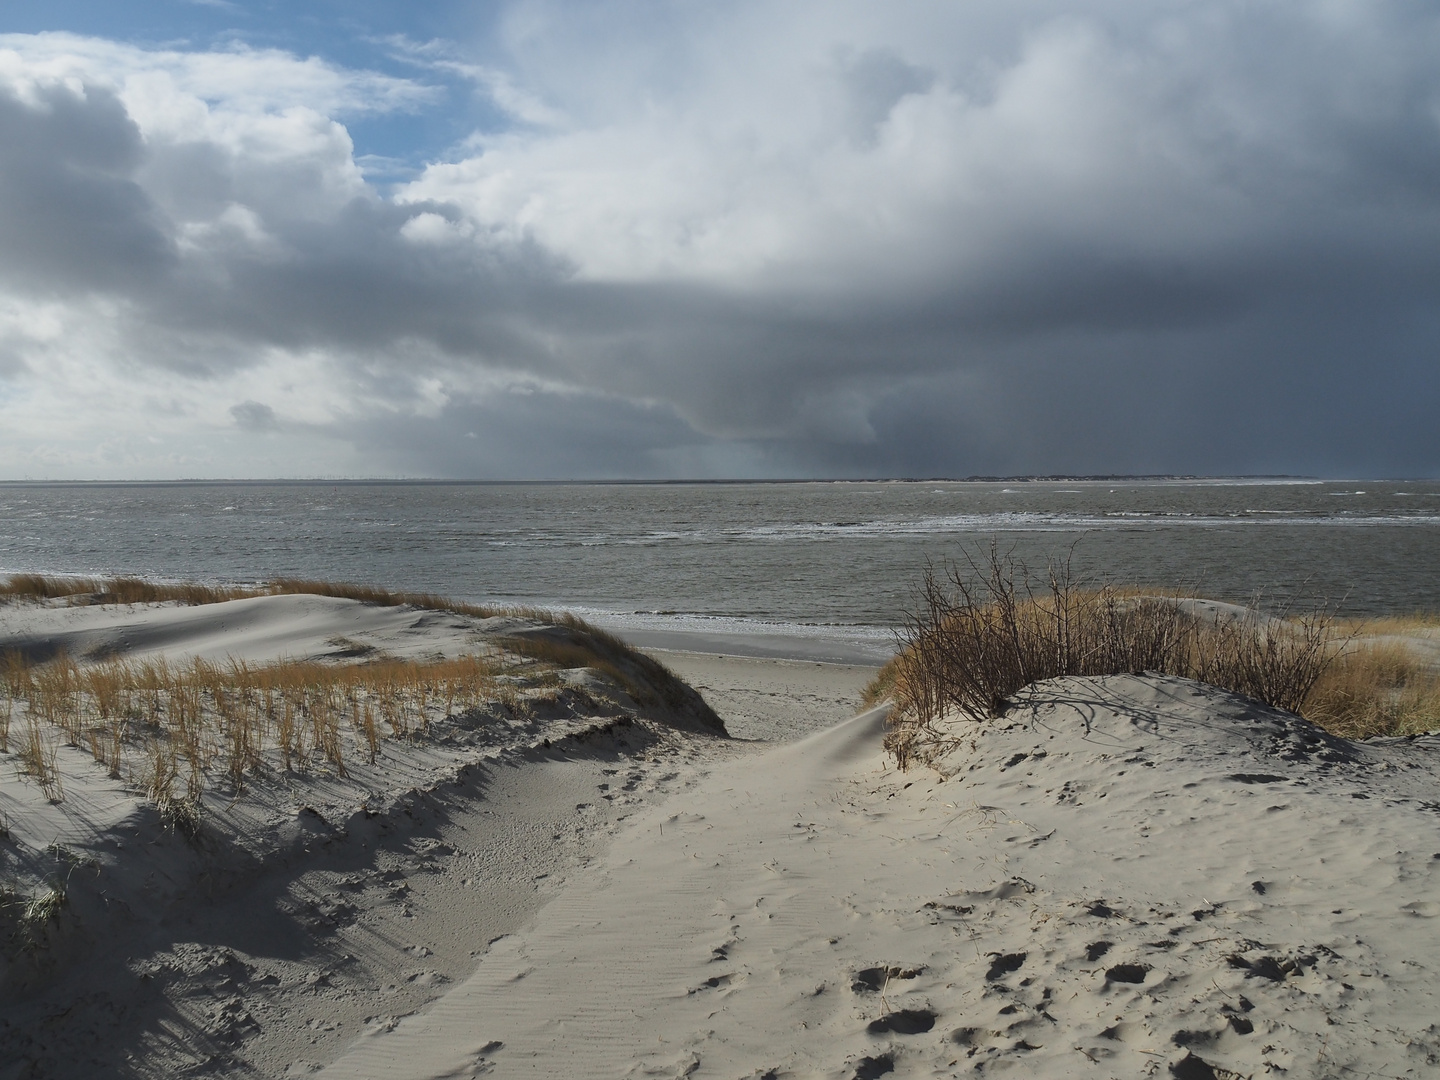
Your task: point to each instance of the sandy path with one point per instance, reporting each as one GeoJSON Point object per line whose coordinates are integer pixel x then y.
{"type": "Point", "coordinates": [620, 966]}
{"type": "Point", "coordinates": [772, 699]}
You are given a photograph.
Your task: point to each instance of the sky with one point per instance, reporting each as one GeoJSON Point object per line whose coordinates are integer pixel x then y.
{"type": "Point", "coordinates": [800, 238]}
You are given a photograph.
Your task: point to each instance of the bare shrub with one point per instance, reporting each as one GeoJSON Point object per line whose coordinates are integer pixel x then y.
{"type": "Point", "coordinates": [983, 632]}
{"type": "Point", "coordinates": [1270, 658]}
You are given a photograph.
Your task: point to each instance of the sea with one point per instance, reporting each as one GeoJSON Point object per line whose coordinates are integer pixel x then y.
{"type": "Point", "coordinates": [818, 570]}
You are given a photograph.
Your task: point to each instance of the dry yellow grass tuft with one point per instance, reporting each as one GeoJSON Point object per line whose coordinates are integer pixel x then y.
{"type": "Point", "coordinates": [118, 590]}
{"type": "Point", "coordinates": [1412, 624]}
{"type": "Point", "coordinates": [1376, 689]}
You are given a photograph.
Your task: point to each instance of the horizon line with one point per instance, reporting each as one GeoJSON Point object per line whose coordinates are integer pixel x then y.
{"type": "Point", "coordinates": [641, 481]}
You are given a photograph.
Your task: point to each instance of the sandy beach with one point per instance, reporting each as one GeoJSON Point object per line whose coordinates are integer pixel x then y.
{"type": "Point", "coordinates": [1127, 875]}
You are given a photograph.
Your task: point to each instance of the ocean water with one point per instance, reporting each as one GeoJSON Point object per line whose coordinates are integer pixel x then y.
{"type": "Point", "coordinates": [830, 563]}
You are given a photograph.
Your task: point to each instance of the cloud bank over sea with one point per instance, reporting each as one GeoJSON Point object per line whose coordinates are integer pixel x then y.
{"type": "Point", "coordinates": [625, 239]}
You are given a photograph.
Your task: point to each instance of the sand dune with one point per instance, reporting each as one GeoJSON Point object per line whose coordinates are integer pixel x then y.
{"type": "Point", "coordinates": [260, 629]}
{"type": "Point", "coordinates": [1135, 874]}
{"type": "Point", "coordinates": [313, 904]}
{"type": "Point", "coordinates": [1126, 876]}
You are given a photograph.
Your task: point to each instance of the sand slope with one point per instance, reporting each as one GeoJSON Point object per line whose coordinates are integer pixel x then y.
{"type": "Point", "coordinates": [257, 630]}
{"type": "Point", "coordinates": [312, 905]}
{"type": "Point", "coordinates": [1137, 876]}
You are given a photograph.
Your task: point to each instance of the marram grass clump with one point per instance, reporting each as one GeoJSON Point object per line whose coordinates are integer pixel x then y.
{"type": "Point", "coordinates": [978, 638]}
{"type": "Point", "coordinates": [173, 730]}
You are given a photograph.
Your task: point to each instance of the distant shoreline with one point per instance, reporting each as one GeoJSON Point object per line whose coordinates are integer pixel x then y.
{"type": "Point", "coordinates": [432, 482]}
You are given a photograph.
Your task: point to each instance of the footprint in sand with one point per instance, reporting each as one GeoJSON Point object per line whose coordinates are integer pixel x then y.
{"type": "Point", "coordinates": [903, 1022]}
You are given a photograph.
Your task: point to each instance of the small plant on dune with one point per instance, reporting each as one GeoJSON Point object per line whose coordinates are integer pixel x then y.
{"type": "Point", "coordinates": [7, 714]}
{"type": "Point", "coordinates": [36, 758]}
{"type": "Point", "coordinates": [183, 815]}
{"type": "Point", "coordinates": [24, 918]}
{"type": "Point", "coordinates": [106, 688]}
{"type": "Point", "coordinates": [164, 771]}
{"type": "Point", "coordinates": [368, 727]}
{"type": "Point", "coordinates": [42, 909]}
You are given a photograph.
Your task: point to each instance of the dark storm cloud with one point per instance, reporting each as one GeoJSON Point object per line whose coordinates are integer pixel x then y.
{"type": "Point", "coordinates": [253, 416]}
{"type": "Point", "coordinates": [1155, 240]}
{"type": "Point", "coordinates": [537, 433]}
{"type": "Point", "coordinates": [874, 82]}
{"type": "Point", "coordinates": [352, 282]}
{"type": "Point", "coordinates": [71, 214]}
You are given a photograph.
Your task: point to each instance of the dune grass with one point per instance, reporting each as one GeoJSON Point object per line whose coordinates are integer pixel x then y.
{"type": "Point", "coordinates": [174, 730]}
{"type": "Point", "coordinates": [116, 590]}
{"type": "Point", "coordinates": [1410, 624]}
{"type": "Point", "coordinates": [1376, 688]}
{"type": "Point", "coordinates": [158, 725]}
{"type": "Point", "coordinates": [579, 644]}
{"type": "Point", "coordinates": [133, 590]}
{"type": "Point", "coordinates": [984, 632]}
